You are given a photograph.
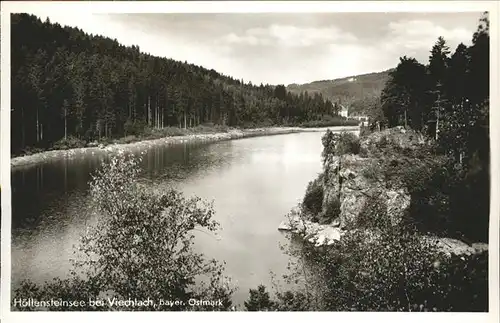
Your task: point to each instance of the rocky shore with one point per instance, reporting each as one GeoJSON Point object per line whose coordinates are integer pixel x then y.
{"type": "Point", "coordinates": [354, 180]}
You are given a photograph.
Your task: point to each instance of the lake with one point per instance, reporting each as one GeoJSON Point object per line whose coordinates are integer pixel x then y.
{"type": "Point", "coordinates": [253, 182]}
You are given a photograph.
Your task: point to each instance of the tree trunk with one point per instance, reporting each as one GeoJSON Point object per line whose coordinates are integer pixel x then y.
{"type": "Point", "coordinates": [437, 117]}
{"type": "Point", "coordinates": [157, 115]}
{"type": "Point", "coordinates": [437, 124]}
{"type": "Point", "coordinates": [37, 127]}
{"type": "Point", "coordinates": [65, 123]}
{"type": "Point", "coordinates": [149, 111]}
{"type": "Point", "coordinates": [23, 131]}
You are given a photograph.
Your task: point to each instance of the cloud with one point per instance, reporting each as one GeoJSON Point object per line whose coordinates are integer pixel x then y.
{"type": "Point", "coordinates": [422, 34]}
{"type": "Point", "coordinates": [282, 48]}
{"type": "Point", "coordinates": [289, 36]}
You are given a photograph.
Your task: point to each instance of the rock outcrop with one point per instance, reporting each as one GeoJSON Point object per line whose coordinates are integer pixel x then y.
{"type": "Point", "coordinates": [356, 181]}
{"type": "Point", "coordinates": [319, 234]}
{"type": "Point", "coordinates": [357, 184]}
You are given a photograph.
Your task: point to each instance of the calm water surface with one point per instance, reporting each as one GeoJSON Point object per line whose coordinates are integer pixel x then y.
{"type": "Point", "coordinates": [253, 182]}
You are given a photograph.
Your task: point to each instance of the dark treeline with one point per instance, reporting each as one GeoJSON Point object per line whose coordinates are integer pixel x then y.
{"type": "Point", "coordinates": [448, 100]}
{"type": "Point", "coordinates": [69, 83]}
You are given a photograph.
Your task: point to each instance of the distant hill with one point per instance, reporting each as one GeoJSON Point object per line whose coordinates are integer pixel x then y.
{"type": "Point", "coordinates": [357, 91]}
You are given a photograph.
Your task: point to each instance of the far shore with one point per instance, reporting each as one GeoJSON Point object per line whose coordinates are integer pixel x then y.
{"type": "Point", "coordinates": [202, 137]}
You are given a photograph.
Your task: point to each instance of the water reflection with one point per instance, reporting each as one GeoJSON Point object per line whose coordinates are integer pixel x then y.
{"type": "Point", "coordinates": [253, 183]}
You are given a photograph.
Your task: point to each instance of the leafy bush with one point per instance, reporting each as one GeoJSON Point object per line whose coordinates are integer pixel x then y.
{"type": "Point", "coordinates": [372, 171]}
{"type": "Point", "coordinates": [141, 246]}
{"type": "Point", "coordinates": [30, 151]}
{"type": "Point", "coordinates": [134, 128]}
{"type": "Point", "coordinates": [209, 128]}
{"type": "Point", "coordinates": [388, 269]}
{"type": "Point", "coordinates": [259, 300]}
{"type": "Point", "coordinates": [313, 199]}
{"type": "Point", "coordinates": [170, 132]}
{"type": "Point", "coordinates": [332, 210]}
{"type": "Point", "coordinates": [329, 121]}
{"type": "Point", "coordinates": [364, 131]}
{"type": "Point", "coordinates": [69, 143]}
{"type": "Point", "coordinates": [337, 144]}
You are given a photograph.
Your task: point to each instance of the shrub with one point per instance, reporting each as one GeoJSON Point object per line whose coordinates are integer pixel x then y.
{"type": "Point", "coordinates": [259, 300]}
{"type": "Point", "coordinates": [337, 144]}
{"type": "Point", "coordinates": [373, 215]}
{"type": "Point", "coordinates": [134, 128]}
{"type": "Point", "coordinates": [372, 171]}
{"type": "Point", "coordinates": [141, 246]}
{"type": "Point", "coordinates": [332, 210]}
{"type": "Point", "coordinates": [171, 132]}
{"type": "Point", "coordinates": [313, 199]}
{"type": "Point", "coordinates": [389, 269]}
{"type": "Point", "coordinates": [69, 143]}
{"type": "Point", "coordinates": [328, 121]}
{"type": "Point", "coordinates": [364, 131]}
{"type": "Point", "coordinates": [292, 301]}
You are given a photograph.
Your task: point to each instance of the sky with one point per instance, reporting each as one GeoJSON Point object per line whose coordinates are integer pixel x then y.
{"type": "Point", "coordinates": [281, 48]}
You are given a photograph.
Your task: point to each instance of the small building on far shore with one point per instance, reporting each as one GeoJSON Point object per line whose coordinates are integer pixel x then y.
{"type": "Point", "coordinates": [344, 111]}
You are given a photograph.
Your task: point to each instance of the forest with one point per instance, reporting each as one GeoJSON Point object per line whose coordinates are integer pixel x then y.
{"type": "Point", "coordinates": [448, 101]}
{"type": "Point", "coordinates": [447, 98]}
{"type": "Point", "coordinates": [376, 266]}
{"type": "Point", "coordinates": [67, 84]}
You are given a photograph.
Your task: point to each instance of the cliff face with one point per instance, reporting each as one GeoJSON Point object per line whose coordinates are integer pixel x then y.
{"type": "Point", "coordinates": [358, 183]}
{"type": "Point", "coordinates": [360, 189]}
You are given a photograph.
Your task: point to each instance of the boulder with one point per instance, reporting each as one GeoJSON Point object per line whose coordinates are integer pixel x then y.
{"type": "Point", "coordinates": [480, 247]}
{"type": "Point", "coordinates": [450, 246]}
{"type": "Point", "coordinates": [293, 222]}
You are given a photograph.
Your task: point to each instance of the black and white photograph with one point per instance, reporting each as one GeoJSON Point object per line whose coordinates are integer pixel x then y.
{"type": "Point", "coordinates": [270, 161]}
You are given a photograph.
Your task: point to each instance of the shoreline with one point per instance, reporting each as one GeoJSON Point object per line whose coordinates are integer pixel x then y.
{"type": "Point", "coordinates": [41, 157]}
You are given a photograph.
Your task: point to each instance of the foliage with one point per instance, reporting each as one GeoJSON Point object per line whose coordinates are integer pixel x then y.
{"type": "Point", "coordinates": [381, 266]}
{"type": "Point", "coordinates": [313, 198]}
{"type": "Point", "coordinates": [328, 122]}
{"type": "Point", "coordinates": [373, 215]}
{"type": "Point", "coordinates": [337, 144]}
{"type": "Point", "coordinates": [364, 131]}
{"type": "Point", "coordinates": [68, 143]}
{"type": "Point", "coordinates": [259, 300]}
{"type": "Point", "coordinates": [372, 170]}
{"type": "Point", "coordinates": [448, 98]}
{"type": "Point", "coordinates": [405, 95]}
{"type": "Point", "coordinates": [90, 87]}
{"type": "Point", "coordinates": [386, 269]}
{"type": "Point", "coordinates": [142, 244]}
{"type": "Point", "coordinates": [332, 210]}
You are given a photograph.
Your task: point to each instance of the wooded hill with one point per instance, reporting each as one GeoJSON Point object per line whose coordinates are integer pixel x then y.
{"type": "Point", "coordinates": [357, 92]}
{"type": "Point", "coordinates": [66, 82]}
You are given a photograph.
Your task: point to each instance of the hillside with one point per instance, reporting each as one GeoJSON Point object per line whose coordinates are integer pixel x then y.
{"type": "Point", "coordinates": [69, 85]}
{"type": "Point", "coordinates": [357, 91]}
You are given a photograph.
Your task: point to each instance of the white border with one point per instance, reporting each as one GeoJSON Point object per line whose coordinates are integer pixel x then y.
{"type": "Point", "coordinates": [249, 7]}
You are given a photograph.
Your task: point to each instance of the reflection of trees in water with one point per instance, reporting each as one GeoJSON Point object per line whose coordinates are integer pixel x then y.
{"type": "Point", "coordinates": [59, 188]}
{"type": "Point", "coordinates": [176, 163]}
